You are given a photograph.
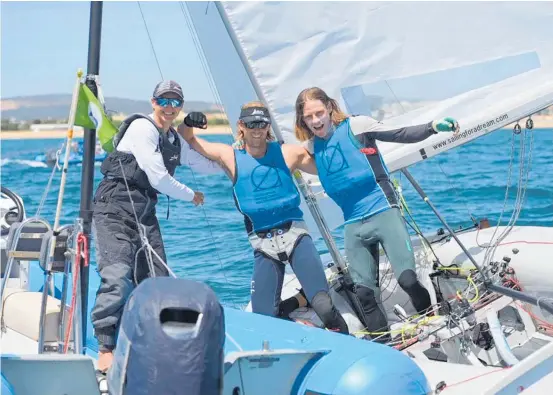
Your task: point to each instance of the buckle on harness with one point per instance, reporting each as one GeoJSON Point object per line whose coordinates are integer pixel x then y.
{"type": "Point", "coordinates": [267, 234]}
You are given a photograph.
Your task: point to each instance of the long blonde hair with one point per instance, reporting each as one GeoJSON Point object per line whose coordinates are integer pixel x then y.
{"type": "Point", "coordinates": [240, 132]}
{"type": "Point", "coordinates": [336, 114]}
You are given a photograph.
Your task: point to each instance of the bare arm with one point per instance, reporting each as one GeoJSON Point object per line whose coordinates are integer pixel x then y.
{"type": "Point", "coordinates": [297, 157]}
{"type": "Point", "coordinates": [219, 152]}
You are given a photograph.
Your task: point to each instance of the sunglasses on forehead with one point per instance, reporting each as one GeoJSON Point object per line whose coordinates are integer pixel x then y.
{"type": "Point", "coordinates": [164, 102]}
{"type": "Point", "coordinates": [256, 124]}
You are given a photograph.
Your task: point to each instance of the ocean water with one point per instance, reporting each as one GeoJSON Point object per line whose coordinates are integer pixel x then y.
{"type": "Point", "coordinates": [209, 243]}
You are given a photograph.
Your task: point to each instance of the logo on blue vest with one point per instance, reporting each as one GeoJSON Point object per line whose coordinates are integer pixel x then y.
{"type": "Point", "coordinates": [334, 160]}
{"type": "Point", "coordinates": [265, 177]}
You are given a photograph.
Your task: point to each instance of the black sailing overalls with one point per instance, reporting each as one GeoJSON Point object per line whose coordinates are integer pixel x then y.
{"type": "Point", "coordinates": [120, 254]}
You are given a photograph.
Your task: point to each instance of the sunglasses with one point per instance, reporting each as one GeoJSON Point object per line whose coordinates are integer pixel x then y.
{"type": "Point", "coordinates": [164, 102]}
{"type": "Point", "coordinates": [256, 125]}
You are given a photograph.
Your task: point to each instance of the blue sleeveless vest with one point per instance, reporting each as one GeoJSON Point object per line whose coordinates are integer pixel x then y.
{"type": "Point", "coordinates": [346, 175]}
{"type": "Point", "coordinates": [264, 190]}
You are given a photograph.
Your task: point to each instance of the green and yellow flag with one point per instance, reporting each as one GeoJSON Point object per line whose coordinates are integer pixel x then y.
{"type": "Point", "coordinates": [90, 115]}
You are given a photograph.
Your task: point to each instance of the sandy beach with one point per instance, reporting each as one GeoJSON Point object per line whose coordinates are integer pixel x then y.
{"type": "Point", "coordinates": [78, 133]}
{"type": "Point", "coordinates": [540, 122]}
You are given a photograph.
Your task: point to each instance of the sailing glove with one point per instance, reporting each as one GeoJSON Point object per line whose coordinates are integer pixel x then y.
{"type": "Point", "coordinates": [196, 120]}
{"type": "Point", "coordinates": [445, 125]}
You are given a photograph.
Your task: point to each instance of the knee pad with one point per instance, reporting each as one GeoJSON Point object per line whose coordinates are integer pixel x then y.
{"type": "Point", "coordinates": [329, 315]}
{"type": "Point", "coordinates": [417, 292]}
{"type": "Point", "coordinates": [407, 279]}
{"type": "Point", "coordinates": [287, 306]}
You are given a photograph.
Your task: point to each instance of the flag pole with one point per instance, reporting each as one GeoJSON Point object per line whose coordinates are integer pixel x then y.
{"type": "Point", "coordinates": [70, 131]}
{"type": "Point", "coordinates": [56, 228]}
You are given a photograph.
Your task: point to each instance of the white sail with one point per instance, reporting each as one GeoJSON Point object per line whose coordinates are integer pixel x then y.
{"type": "Point", "coordinates": [234, 88]}
{"type": "Point", "coordinates": [484, 63]}
{"type": "Point", "coordinates": [223, 64]}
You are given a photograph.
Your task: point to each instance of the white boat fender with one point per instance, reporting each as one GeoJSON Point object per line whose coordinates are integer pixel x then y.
{"type": "Point", "coordinates": [499, 339]}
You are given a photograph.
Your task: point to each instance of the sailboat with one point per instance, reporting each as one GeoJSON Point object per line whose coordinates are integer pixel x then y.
{"type": "Point", "coordinates": [51, 158]}
{"type": "Point", "coordinates": [377, 59]}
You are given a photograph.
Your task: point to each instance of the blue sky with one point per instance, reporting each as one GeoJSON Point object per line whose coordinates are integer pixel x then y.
{"type": "Point", "coordinates": [44, 43]}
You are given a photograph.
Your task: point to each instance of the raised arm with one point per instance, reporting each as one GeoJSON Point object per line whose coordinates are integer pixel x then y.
{"type": "Point", "coordinates": [362, 125]}
{"type": "Point", "coordinates": [196, 161]}
{"type": "Point", "coordinates": [221, 153]}
{"type": "Point", "coordinates": [297, 157]}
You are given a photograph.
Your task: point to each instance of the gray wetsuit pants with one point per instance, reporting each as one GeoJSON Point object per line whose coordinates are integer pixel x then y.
{"type": "Point", "coordinates": [362, 241]}
{"type": "Point", "coordinates": [268, 276]}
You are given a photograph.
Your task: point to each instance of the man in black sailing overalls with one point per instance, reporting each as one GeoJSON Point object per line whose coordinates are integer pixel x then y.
{"type": "Point", "coordinates": [142, 165]}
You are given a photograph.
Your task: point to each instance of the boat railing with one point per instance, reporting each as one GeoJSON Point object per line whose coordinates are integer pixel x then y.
{"type": "Point", "coordinates": [30, 240]}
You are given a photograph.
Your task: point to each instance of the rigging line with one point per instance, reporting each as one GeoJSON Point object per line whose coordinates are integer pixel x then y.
{"type": "Point", "coordinates": [150, 38]}
{"type": "Point", "coordinates": [456, 190]}
{"type": "Point", "coordinates": [218, 102]}
{"type": "Point", "coordinates": [519, 185]}
{"type": "Point", "coordinates": [487, 257]}
{"type": "Point", "coordinates": [393, 93]}
{"type": "Point", "coordinates": [203, 60]}
{"type": "Point", "coordinates": [209, 227]}
{"type": "Point", "coordinates": [49, 185]}
{"type": "Point", "coordinates": [524, 171]}
{"type": "Point", "coordinates": [144, 239]}
{"type": "Point", "coordinates": [505, 199]}
{"type": "Point", "coordinates": [139, 226]}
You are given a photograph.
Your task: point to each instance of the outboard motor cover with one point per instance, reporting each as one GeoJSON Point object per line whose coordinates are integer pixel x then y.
{"type": "Point", "coordinates": [170, 341]}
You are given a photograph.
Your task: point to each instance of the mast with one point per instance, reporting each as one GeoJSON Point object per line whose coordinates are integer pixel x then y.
{"type": "Point", "coordinates": [306, 191]}
{"type": "Point", "coordinates": [87, 175]}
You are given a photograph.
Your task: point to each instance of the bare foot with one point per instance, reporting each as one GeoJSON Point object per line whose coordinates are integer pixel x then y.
{"type": "Point", "coordinates": [105, 359]}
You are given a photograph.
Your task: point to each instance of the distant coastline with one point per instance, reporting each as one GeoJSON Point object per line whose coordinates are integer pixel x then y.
{"type": "Point", "coordinates": [540, 122]}
{"type": "Point", "coordinates": [78, 133]}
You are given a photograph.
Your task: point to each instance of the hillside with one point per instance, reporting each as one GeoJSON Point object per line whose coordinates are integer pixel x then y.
{"type": "Point", "coordinates": [56, 106]}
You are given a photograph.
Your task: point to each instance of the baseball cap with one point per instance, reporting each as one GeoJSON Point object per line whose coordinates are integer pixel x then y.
{"type": "Point", "coordinates": [255, 114]}
{"type": "Point", "coordinates": [168, 86]}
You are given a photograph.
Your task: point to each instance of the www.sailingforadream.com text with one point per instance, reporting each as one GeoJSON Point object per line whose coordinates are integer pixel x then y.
{"type": "Point", "coordinates": [471, 131]}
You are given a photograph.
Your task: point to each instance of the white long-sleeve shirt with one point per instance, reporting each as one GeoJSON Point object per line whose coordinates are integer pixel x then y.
{"type": "Point", "coordinates": [142, 138]}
